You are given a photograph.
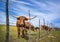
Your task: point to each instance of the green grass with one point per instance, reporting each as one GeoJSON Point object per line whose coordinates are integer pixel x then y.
{"type": "Point", "coordinates": [13, 35]}
{"type": "Point", "coordinates": [55, 38]}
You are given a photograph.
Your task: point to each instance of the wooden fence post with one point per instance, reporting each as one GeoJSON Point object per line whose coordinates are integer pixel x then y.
{"type": "Point", "coordinates": [38, 32]}
{"type": "Point", "coordinates": [7, 23]}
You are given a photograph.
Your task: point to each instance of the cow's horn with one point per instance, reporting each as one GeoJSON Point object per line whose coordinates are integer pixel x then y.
{"type": "Point", "coordinates": [15, 16]}
{"type": "Point", "coordinates": [31, 18]}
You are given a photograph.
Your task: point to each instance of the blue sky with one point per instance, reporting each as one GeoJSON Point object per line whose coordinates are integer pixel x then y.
{"type": "Point", "coordinates": [43, 9]}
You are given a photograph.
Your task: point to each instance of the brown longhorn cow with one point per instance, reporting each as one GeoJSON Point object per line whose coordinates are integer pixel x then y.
{"type": "Point", "coordinates": [44, 27]}
{"type": "Point", "coordinates": [20, 24]}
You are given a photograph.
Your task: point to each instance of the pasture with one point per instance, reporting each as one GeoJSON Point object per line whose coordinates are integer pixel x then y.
{"type": "Point", "coordinates": [49, 37]}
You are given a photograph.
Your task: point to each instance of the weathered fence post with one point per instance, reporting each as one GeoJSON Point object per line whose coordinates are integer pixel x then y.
{"type": "Point", "coordinates": [44, 21]}
{"type": "Point", "coordinates": [39, 32]}
{"type": "Point", "coordinates": [7, 23]}
{"type": "Point", "coordinates": [29, 26]}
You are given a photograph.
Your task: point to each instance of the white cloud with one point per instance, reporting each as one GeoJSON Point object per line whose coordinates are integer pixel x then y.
{"type": "Point", "coordinates": [21, 2]}
{"type": "Point", "coordinates": [50, 6]}
{"type": "Point", "coordinates": [39, 4]}
{"type": "Point", "coordinates": [57, 25]}
{"type": "Point", "coordinates": [2, 18]}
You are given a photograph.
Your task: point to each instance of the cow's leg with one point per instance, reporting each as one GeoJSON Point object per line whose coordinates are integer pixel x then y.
{"type": "Point", "coordinates": [22, 31]}
{"type": "Point", "coordinates": [18, 29]}
{"type": "Point", "coordinates": [25, 30]}
{"type": "Point", "coordinates": [23, 34]}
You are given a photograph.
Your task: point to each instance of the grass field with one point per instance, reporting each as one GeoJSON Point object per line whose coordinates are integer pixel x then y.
{"type": "Point", "coordinates": [52, 37]}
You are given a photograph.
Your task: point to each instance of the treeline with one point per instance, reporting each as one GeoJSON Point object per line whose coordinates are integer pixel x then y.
{"type": "Point", "coordinates": [56, 28]}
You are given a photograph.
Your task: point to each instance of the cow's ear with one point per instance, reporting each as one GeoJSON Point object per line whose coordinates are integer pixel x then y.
{"type": "Point", "coordinates": [18, 18]}
{"type": "Point", "coordinates": [26, 18]}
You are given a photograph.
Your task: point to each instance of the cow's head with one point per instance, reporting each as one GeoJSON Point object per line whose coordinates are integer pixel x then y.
{"type": "Point", "coordinates": [22, 20]}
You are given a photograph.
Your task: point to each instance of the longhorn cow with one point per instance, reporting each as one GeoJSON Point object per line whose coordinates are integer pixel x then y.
{"type": "Point", "coordinates": [44, 27]}
{"type": "Point", "coordinates": [21, 24]}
